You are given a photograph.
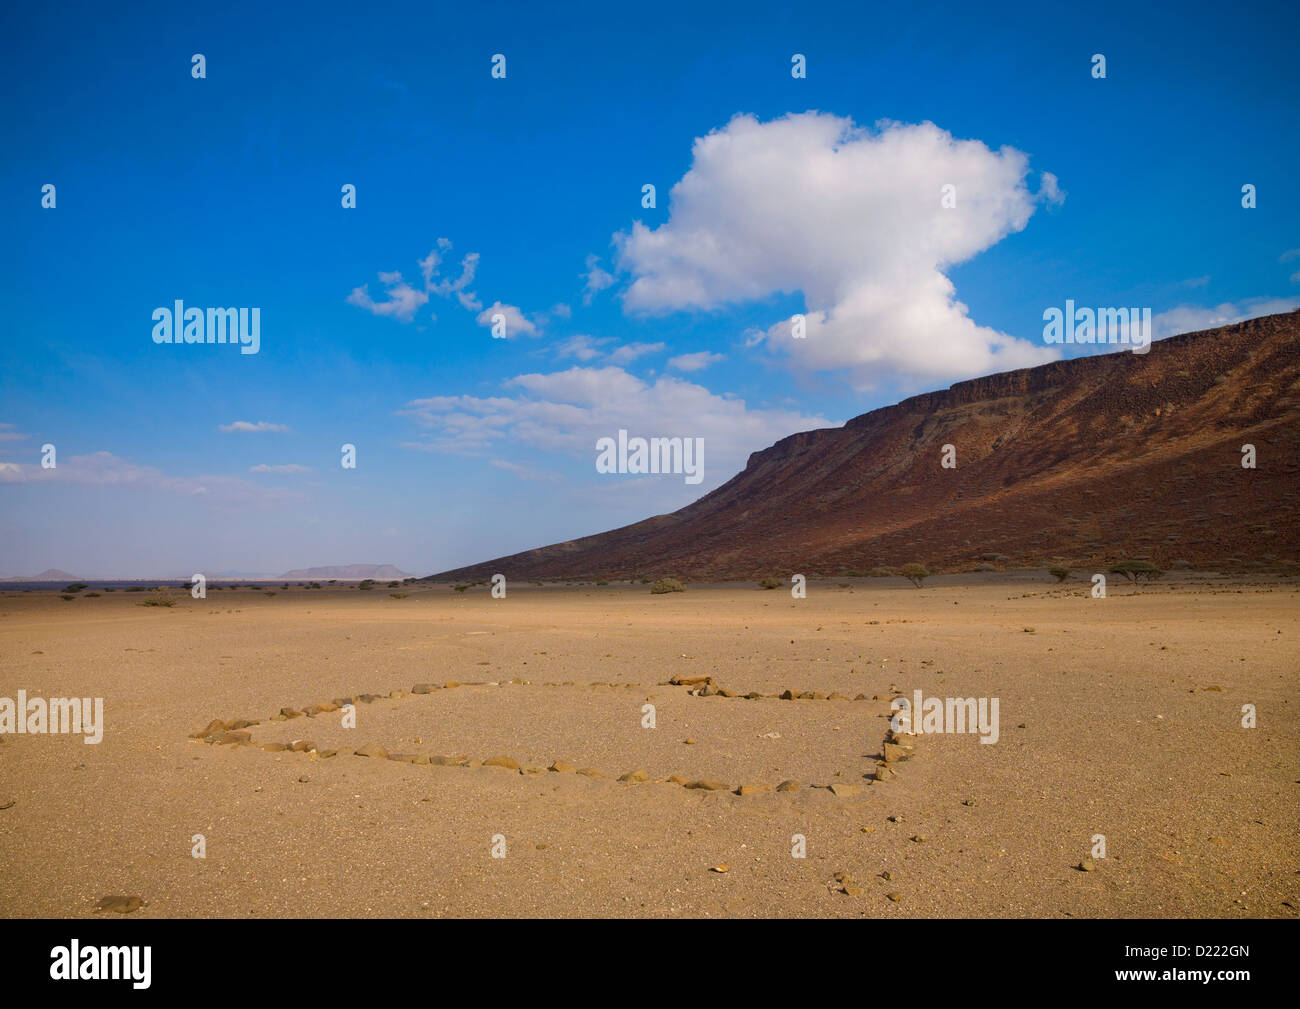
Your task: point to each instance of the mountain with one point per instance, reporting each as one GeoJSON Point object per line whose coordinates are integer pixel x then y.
{"type": "Point", "coordinates": [346, 573]}
{"type": "Point", "coordinates": [48, 575]}
{"type": "Point", "coordinates": [1083, 461]}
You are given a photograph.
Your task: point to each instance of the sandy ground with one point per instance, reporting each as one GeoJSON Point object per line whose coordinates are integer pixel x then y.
{"type": "Point", "coordinates": [1110, 724]}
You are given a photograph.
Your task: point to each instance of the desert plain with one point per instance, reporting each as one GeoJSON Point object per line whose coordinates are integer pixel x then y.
{"type": "Point", "coordinates": [1120, 717]}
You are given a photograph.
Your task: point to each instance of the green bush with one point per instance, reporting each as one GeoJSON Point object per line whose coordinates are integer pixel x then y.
{"type": "Point", "coordinates": [667, 585]}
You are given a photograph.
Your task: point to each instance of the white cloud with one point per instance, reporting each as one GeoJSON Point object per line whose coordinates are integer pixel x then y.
{"type": "Point", "coordinates": [596, 279]}
{"type": "Point", "coordinates": [583, 347]}
{"type": "Point", "coordinates": [698, 361]}
{"type": "Point", "coordinates": [290, 467]}
{"type": "Point", "coordinates": [629, 352]}
{"type": "Point", "coordinates": [249, 426]}
{"type": "Point", "coordinates": [517, 324]}
{"type": "Point", "coordinates": [524, 472]}
{"type": "Point", "coordinates": [590, 348]}
{"type": "Point", "coordinates": [851, 218]}
{"type": "Point", "coordinates": [1194, 318]}
{"type": "Point", "coordinates": [403, 301]}
{"type": "Point", "coordinates": [103, 469]}
{"type": "Point", "coordinates": [565, 412]}
{"type": "Point", "coordinates": [7, 433]}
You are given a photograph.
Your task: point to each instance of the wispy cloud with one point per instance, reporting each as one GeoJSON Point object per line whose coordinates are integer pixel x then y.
{"type": "Point", "coordinates": [695, 362]}
{"type": "Point", "coordinates": [290, 467]}
{"type": "Point", "coordinates": [247, 426]}
{"type": "Point", "coordinates": [104, 469]}
{"type": "Point", "coordinates": [566, 412]}
{"type": "Point", "coordinates": [596, 279]}
{"type": "Point", "coordinates": [8, 433]}
{"type": "Point", "coordinates": [1194, 318]}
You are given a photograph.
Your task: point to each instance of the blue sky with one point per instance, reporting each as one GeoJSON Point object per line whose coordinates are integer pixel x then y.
{"type": "Point", "coordinates": [225, 191]}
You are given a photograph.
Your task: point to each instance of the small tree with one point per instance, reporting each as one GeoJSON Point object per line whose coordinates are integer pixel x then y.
{"type": "Point", "coordinates": [1059, 573]}
{"type": "Point", "coordinates": [1136, 571]}
{"type": "Point", "coordinates": [915, 573]}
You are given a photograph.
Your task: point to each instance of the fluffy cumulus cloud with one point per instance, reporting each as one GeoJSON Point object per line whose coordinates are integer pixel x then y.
{"type": "Point", "coordinates": [566, 412]}
{"type": "Point", "coordinates": [516, 323]}
{"type": "Point", "coordinates": [852, 219]}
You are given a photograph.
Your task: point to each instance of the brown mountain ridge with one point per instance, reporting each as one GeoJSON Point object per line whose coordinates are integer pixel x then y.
{"type": "Point", "coordinates": [1082, 462]}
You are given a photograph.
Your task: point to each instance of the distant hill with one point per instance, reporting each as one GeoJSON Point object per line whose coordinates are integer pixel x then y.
{"type": "Point", "coordinates": [346, 572]}
{"type": "Point", "coordinates": [48, 575]}
{"type": "Point", "coordinates": [1081, 461]}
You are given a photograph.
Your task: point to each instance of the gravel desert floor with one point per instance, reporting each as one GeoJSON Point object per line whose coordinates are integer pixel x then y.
{"type": "Point", "coordinates": [1120, 717]}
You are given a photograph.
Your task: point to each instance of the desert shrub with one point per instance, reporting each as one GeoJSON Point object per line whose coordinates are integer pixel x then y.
{"type": "Point", "coordinates": [770, 583]}
{"type": "Point", "coordinates": [75, 587]}
{"type": "Point", "coordinates": [601, 581]}
{"type": "Point", "coordinates": [366, 583]}
{"type": "Point", "coordinates": [393, 585]}
{"type": "Point", "coordinates": [667, 585]}
{"type": "Point", "coordinates": [1059, 573]}
{"type": "Point", "coordinates": [160, 598]}
{"type": "Point", "coordinates": [316, 585]}
{"type": "Point", "coordinates": [985, 567]}
{"type": "Point", "coordinates": [66, 597]}
{"type": "Point", "coordinates": [880, 573]}
{"type": "Point", "coordinates": [140, 588]}
{"type": "Point", "coordinates": [269, 592]}
{"type": "Point", "coordinates": [110, 590]}
{"type": "Point", "coordinates": [398, 595]}
{"type": "Point", "coordinates": [333, 581]}
{"type": "Point", "coordinates": [1136, 571]}
{"type": "Point", "coordinates": [915, 573]}
{"type": "Point", "coordinates": [285, 586]}
{"type": "Point", "coordinates": [91, 595]}
{"type": "Point", "coordinates": [461, 588]}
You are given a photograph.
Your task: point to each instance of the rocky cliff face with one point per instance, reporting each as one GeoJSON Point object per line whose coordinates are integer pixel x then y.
{"type": "Point", "coordinates": [1083, 461]}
